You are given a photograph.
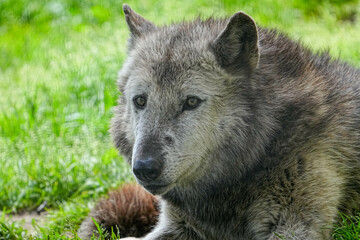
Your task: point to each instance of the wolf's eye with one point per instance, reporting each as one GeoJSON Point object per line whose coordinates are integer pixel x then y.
{"type": "Point", "coordinates": [140, 101]}
{"type": "Point", "coordinates": [191, 103]}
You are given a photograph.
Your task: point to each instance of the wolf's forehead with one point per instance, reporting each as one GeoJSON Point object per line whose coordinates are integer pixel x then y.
{"type": "Point", "coordinates": [165, 65]}
{"type": "Point", "coordinates": [162, 71]}
{"type": "Point", "coordinates": [179, 38]}
{"type": "Point", "coordinates": [172, 52]}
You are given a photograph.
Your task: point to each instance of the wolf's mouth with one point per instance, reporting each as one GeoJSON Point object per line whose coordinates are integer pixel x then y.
{"type": "Point", "coordinates": [156, 189]}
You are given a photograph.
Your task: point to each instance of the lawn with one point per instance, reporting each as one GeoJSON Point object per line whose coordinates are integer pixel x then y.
{"type": "Point", "coordinates": [58, 67]}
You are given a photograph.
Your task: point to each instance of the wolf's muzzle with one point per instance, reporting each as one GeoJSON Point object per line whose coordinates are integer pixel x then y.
{"type": "Point", "coordinates": [147, 170]}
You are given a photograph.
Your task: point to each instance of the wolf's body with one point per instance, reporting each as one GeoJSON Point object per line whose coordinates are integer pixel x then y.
{"type": "Point", "coordinates": [271, 145]}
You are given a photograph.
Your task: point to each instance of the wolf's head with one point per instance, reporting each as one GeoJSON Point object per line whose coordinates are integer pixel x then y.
{"type": "Point", "coordinates": [186, 98]}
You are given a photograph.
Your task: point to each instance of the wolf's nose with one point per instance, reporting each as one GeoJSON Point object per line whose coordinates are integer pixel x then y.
{"type": "Point", "coordinates": [147, 170]}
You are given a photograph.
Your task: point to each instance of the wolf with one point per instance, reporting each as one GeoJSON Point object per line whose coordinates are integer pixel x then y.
{"type": "Point", "coordinates": [241, 131]}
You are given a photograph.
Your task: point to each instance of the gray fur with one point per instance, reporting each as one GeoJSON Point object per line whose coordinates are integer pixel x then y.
{"type": "Point", "coordinates": [274, 147]}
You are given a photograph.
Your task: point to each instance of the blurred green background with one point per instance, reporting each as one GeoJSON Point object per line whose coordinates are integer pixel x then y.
{"type": "Point", "coordinates": [58, 68]}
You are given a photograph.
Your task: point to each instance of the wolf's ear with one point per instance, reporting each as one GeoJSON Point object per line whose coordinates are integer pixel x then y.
{"type": "Point", "coordinates": [138, 25]}
{"type": "Point", "coordinates": [236, 48]}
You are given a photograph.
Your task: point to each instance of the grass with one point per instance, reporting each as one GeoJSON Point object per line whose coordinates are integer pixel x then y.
{"type": "Point", "coordinates": [11, 231]}
{"type": "Point", "coordinates": [348, 228]}
{"type": "Point", "coordinates": [58, 66]}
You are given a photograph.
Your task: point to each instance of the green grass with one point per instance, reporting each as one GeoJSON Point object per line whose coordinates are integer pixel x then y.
{"type": "Point", "coordinates": [348, 228]}
{"type": "Point", "coordinates": [11, 231]}
{"type": "Point", "coordinates": [58, 66]}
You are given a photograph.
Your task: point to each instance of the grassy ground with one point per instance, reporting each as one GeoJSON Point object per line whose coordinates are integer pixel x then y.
{"type": "Point", "coordinates": [58, 65]}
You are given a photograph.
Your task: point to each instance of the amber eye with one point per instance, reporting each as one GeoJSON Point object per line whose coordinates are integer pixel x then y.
{"type": "Point", "coordinates": [191, 103]}
{"type": "Point", "coordinates": [140, 101]}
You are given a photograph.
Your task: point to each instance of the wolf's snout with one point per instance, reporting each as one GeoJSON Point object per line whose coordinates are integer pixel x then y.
{"type": "Point", "coordinates": [147, 169]}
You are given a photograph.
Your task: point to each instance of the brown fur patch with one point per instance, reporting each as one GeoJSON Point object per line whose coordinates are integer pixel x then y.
{"type": "Point", "coordinates": [130, 209]}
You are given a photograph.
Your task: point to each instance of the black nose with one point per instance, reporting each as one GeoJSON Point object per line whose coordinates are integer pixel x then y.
{"type": "Point", "coordinates": [147, 170]}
